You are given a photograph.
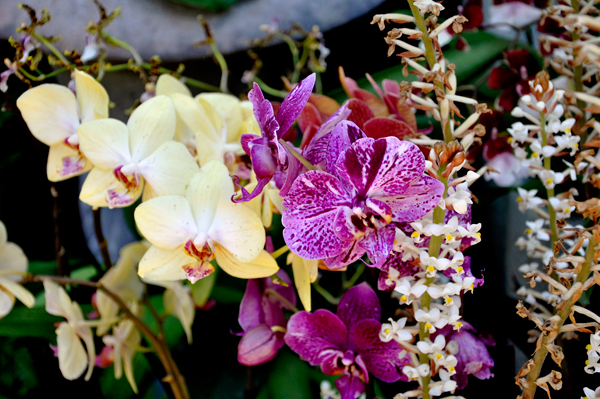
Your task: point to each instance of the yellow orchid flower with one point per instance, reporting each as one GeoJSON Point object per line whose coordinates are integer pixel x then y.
{"type": "Point", "coordinates": [12, 259]}
{"type": "Point", "coordinates": [265, 203]}
{"type": "Point", "coordinates": [53, 114]}
{"type": "Point", "coordinates": [72, 359]}
{"type": "Point", "coordinates": [124, 156]}
{"type": "Point", "coordinates": [188, 232]}
{"type": "Point", "coordinates": [124, 339]}
{"type": "Point", "coordinates": [167, 85]}
{"type": "Point", "coordinates": [122, 279]}
{"type": "Point", "coordinates": [305, 273]}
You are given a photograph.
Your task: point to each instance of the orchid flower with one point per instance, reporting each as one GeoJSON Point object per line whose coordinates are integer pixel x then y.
{"type": "Point", "coordinates": [53, 114]}
{"type": "Point", "coordinates": [266, 202]}
{"type": "Point", "coordinates": [178, 301]}
{"type": "Point", "coordinates": [121, 279]}
{"type": "Point", "coordinates": [12, 259]}
{"type": "Point", "coordinates": [72, 359]}
{"type": "Point", "coordinates": [124, 339]}
{"type": "Point", "coordinates": [167, 85]}
{"type": "Point", "coordinates": [262, 319]}
{"type": "Point", "coordinates": [339, 219]}
{"type": "Point", "coordinates": [187, 233]}
{"type": "Point", "coordinates": [124, 156]}
{"type": "Point", "coordinates": [267, 153]}
{"type": "Point", "coordinates": [347, 343]}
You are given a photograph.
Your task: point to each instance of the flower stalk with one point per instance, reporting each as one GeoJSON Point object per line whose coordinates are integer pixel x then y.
{"type": "Point", "coordinates": [549, 191]}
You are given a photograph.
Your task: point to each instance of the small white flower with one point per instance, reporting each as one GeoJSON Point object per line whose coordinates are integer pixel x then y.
{"type": "Point", "coordinates": [540, 152]}
{"type": "Point", "coordinates": [328, 392]}
{"type": "Point", "coordinates": [414, 373]}
{"type": "Point", "coordinates": [562, 207]}
{"type": "Point", "coordinates": [528, 199]}
{"type": "Point", "coordinates": [567, 142]}
{"type": "Point", "coordinates": [431, 319]}
{"type": "Point", "coordinates": [551, 178]}
{"type": "Point", "coordinates": [589, 394]}
{"type": "Point", "coordinates": [408, 291]}
{"type": "Point", "coordinates": [535, 228]}
{"type": "Point", "coordinates": [394, 330]}
{"type": "Point", "coordinates": [518, 132]}
{"type": "Point", "coordinates": [431, 347]}
{"type": "Point", "coordinates": [432, 264]}
{"type": "Point", "coordinates": [445, 385]}
{"type": "Point", "coordinates": [459, 197]}
{"type": "Point", "coordinates": [449, 362]}
{"type": "Point", "coordinates": [471, 231]}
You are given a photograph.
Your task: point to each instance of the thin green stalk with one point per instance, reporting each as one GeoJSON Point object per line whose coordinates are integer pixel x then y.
{"type": "Point", "coordinates": [280, 252]}
{"type": "Point", "coordinates": [297, 155]}
{"type": "Point", "coordinates": [300, 64]}
{"type": "Point", "coordinates": [186, 80]}
{"type": "Point", "coordinates": [222, 65]}
{"type": "Point", "coordinates": [325, 294]}
{"type": "Point", "coordinates": [359, 271]}
{"type": "Point", "coordinates": [269, 90]}
{"type": "Point", "coordinates": [540, 355]}
{"type": "Point", "coordinates": [51, 47]}
{"type": "Point", "coordinates": [284, 301]}
{"type": "Point", "coordinates": [294, 50]}
{"type": "Point", "coordinates": [120, 43]}
{"type": "Point", "coordinates": [549, 191]}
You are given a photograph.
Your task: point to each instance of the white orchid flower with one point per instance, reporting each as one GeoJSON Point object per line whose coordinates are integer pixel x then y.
{"type": "Point", "coordinates": [124, 156]}
{"type": "Point", "coordinates": [72, 359]}
{"type": "Point", "coordinates": [53, 114]}
{"type": "Point", "coordinates": [445, 385]}
{"type": "Point", "coordinates": [536, 228]}
{"type": "Point", "coordinates": [528, 199]}
{"type": "Point", "coordinates": [187, 233]}
{"type": "Point", "coordinates": [431, 347]}
{"type": "Point", "coordinates": [395, 330]}
{"type": "Point", "coordinates": [124, 341]}
{"type": "Point", "coordinates": [414, 373]}
{"type": "Point", "coordinates": [12, 259]}
{"type": "Point", "coordinates": [409, 291]}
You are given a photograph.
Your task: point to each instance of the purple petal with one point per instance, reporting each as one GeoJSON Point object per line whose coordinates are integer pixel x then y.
{"type": "Point", "coordinates": [316, 150]}
{"type": "Point", "coordinates": [378, 244]}
{"type": "Point", "coordinates": [350, 386]}
{"type": "Point", "coordinates": [310, 208]}
{"type": "Point", "coordinates": [395, 261]}
{"type": "Point", "coordinates": [331, 362]}
{"type": "Point", "coordinates": [357, 304]}
{"type": "Point", "coordinates": [259, 345]}
{"type": "Point", "coordinates": [309, 334]}
{"type": "Point", "coordinates": [381, 358]}
{"type": "Point", "coordinates": [251, 312]}
{"type": "Point", "coordinates": [294, 169]}
{"type": "Point", "coordinates": [344, 227]}
{"type": "Point", "coordinates": [343, 135]}
{"type": "Point", "coordinates": [420, 197]}
{"type": "Point", "coordinates": [263, 111]}
{"type": "Point", "coordinates": [348, 256]}
{"type": "Point", "coordinates": [294, 103]}
{"type": "Point", "coordinates": [263, 163]}
{"type": "Point", "coordinates": [381, 167]}
{"type": "Point", "coordinates": [246, 196]}
{"type": "Point", "coordinates": [246, 138]}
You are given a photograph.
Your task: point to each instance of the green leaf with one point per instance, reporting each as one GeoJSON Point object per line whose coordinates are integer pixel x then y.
{"type": "Point", "coordinates": [42, 267]}
{"type": "Point", "coordinates": [202, 289]}
{"type": "Point", "coordinates": [148, 386]}
{"type": "Point", "coordinates": [24, 322]}
{"type": "Point", "coordinates": [210, 5]}
{"type": "Point", "coordinates": [172, 326]}
{"type": "Point", "coordinates": [84, 273]}
{"type": "Point", "coordinates": [285, 384]}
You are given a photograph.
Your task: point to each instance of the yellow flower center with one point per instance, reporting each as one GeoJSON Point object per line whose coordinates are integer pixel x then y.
{"type": "Point", "coordinates": [472, 287]}
{"type": "Point", "coordinates": [510, 139]}
{"type": "Point", "coordinates": [438, 356]}
{"type": "Point", "coordinates": [528, 231]}
{"type": "Point", "coordinates": [458, 325]}
{"type": "Point", "coordinates": [428, 326]}
{"type": "Point", "coordinates": [566, 210]}
{"type": "Point", "coordinates": [588, 347]}
{"type": "Point", "coordinates": [548, 181]}
{"type": "Point", "coordinates": [575, 145]}
{"type": "Point", "coordinates": [587, 362]}
{"type": "Point", "coordinates": [519, 199]}
{"type": "Point", "coordinates": [449, 237]}
{"type": "Point", "coordinates": [451, 368]}
{"type": "Point", "coordinates": [568, 130]}
{"type": "Point", "coordinates": [387, 331]}
{"type": "Point", "coordinates": [478, 235]}
{"type": "Point", "coordinates": [414, 234]}
{"type": "Point", "coordinates": [403, 298]}
{"type": "Point", "coordinates": [460, 270]}
{"type": "Point", "coordinates": [430, 268]}
{"type": "Point", "coordinates": [448, 300]}
{"type": "Point", "coordinates": [535, 155]}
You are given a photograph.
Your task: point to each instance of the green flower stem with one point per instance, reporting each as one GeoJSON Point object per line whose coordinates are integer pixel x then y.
{"type": "Point", "coordinates": [325, 294]}
{"type": "Point", "coordinates": [284, 301]}
{"type": "Point", "coordinates": [280, 252]}
{"type": "Point", "coordinates": [295, 53]}
{"type": "Point", "coordinates": [359, 271]}
{"type": "Point", "coordinates": [222, 65]}
{"type": "Point", "coordinates": [120, 43]}
{"type": "Point", "coordinates": [549, 191]}
{"type": "Point", "coordinates": [540, 355]}
{"type": "Point", "coordinates": [186, 80]}
{"type": "Point", "coordinates": [268, 89]}
{"type": "Point", "coordinates": [51, 47]}
{"type": "Point", "coordinates": [300, 64]}
{"type": "Point", "coordinates": [298, 156]}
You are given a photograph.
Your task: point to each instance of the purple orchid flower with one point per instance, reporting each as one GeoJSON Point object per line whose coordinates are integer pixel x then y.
{"type": "Point", "coordinates": [267, 154]}
{"type": "Point", "coordinates": [473, 356]}
{"type": "Point", "coordinates": [262, 319]}
{"type": "Point", "coordinates": [342, 215]}
{"type": "Point", "coordinates": [347, 343]}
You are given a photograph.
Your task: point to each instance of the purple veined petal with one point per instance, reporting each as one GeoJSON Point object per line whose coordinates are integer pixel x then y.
{"type": "Point", "coordinates": [246, 196]}
{"type": "Point", "coordinates": [309, 334]}
{"type": "Point", "coordinates": [263, 163]}
{"type": "Point", "coordinates": [343, 135]}
{"type": "Point", "coordinates": [378, 243]}
{"type": "Point", "coordinates": [357, 304]}
{"type": "Point", "coordinates": [381, 167]}
{"type": "Point", "coordinates": [294, 103]}
{"type": "Point", "coordinates": [350, 255]}
{"type": "Point", "coordinates": [381, 358]}
{"type": "Point", "coordinates": [344, 227]}
{"type": "Point", "coordinates": [380, 208]}
{"type": "Point", "coordinates": [420, 197]}
{"type": "Point", "coordinates": [395, 261]}
{"type": "Point", "coordinates": [247, 138]}
{"type": "Point", "coordinates": [263, 111]}
{"type": "Point", "coordinates": [316, 150]}
{"type": "Point", "coordinates": [331, 362]}
{"type": "Point", "coordinates": [294, 169]}
{"type": "Point", "coordinates": [350, 386]}
{"type": "Point", "coordinates": [251, 311]}
{"type": "Point", "coordinates": [309, 211]}
{"type": "Point", "coordinates": [259, 345]}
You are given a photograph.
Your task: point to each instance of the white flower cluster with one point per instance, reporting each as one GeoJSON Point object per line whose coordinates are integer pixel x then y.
{"type": "Point", "coordinates": [592, 365]}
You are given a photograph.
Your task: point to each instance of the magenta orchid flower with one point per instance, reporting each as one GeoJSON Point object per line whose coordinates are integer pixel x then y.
{"type": "Point", "coordinates": [267, 153]}
{"type": "Point", "coordinates": [347, 343]}
{"type": "Point", "coordinates": [514, 80]}
{"type": "Point", "coordinates": [341, 215]}
{"type": "Point", "coordinates": [262, 319]}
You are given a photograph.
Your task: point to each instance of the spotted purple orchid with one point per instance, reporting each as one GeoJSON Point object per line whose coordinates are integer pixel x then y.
{"type": "Point", "coordinates": [473, 357]}
{"type": "Point", "coordinates": [341, 215]}
{"type": "Point", "coordinates": [267, 153]}
{"type": "Point", "coordinates": [262, 319]}
{"type": "Point", "coordinates": [347, 343]}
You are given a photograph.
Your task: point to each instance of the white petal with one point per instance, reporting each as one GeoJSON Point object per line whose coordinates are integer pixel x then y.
{"type": "Point", "coordinates": [150, 125]}
{"type": "Point", "coordinates": [72, 359]}
{"type": "Point", "coordinates": [105, 142]}
{"type": "Point", "coordinates": [91, 96]}
{"type": "Point", "coordinates": [7, 301]}
{"type": "Point", "coordinates": [167, 85]}
{"type": "Point", "coordinates": [169, 169]}
{"type": "Point", "coordinates": [12, 257]}
{"type": "Point", "coordinates": [50, 112]}
{"type": "Point", "coordinates": [160, 264]}
{"type": "Point", "coordinates": [18, 291]}
{"type": "Point", "coordinates": [209, 187]}
{"type": "Point", "coordinates": [3, 236]}
{"type": "Point", "coordinates": [240, 230]}
{"type": "Point", "coordinates": [166, 222]}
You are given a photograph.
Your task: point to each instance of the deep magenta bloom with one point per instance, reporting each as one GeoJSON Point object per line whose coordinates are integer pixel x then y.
{"type": "Point", "coordinates": [347, 343]}
{"type": "Point", "coordinates": [514, 80]}
{"type": "Point", "coordinates": [473, 356]}
{"type": "Point", "coordinates": [341, 215]}
{"type": "Point", "coordinates": [267, 154]}
{"type": "Point", "coordinates": [259, 312]}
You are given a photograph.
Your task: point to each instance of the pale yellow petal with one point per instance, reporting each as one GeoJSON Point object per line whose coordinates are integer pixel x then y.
{"type": "Point", "coordinates": [263, 266]}
{"type": "Point", "coordinates": [91, 96]}
{"type": "Point", "coordinates": [194, 117]}
{"type": "Point", "coordinates": [150, 125]}
{"type": "Point", "coordinates": [255, 203]}
{"type": "Point", "coordinates": [105, 142]}
{"type": "Point", "coordinates": [239, 229]}
{"type": "Point", "coordinates": [85, 333]}
{"type": "Point", "coordinates": [161, 264]}
{"type": "Point", "coordinates": [209, 187]}
{"type": "Point", "coordinates": [98, 182]}
{"type": "Point", "coordinates": [178, 301]}
{"type": "Point", "coordinates": [167, 222]}
{"type": "Point", "coordinates": [211, 113]}
{"type": "Point", "coordinates": [7, 301]}
{"type": "Point", "coordinates": [275, 198]}
{"type": "Point", "coordinates": [169, 169]}
{"type": "Point", "coordinates": [18, 291]}
{"type": "Point", "coordinates": [168, 85]}
{"type": "Point", "coordinates": [52, 299]}
{"type": "Point", "coordinates": [208, 150]}
{"type": "Point", "coordinates": [128, 355]}
{"type": "Point", "coordinates": [50, 112]}
{"type": "Point", "coordinates": [3, 236]}
{"type": "Point", "coordinates": [72, 359]}
{"type": "Point", "coordinates": [267, 211]}
{"type": "Point", "coordinates": [229, 109]}
{"type": "Point", "coordinates": [13, 258]}
{"type": "Point", "coordinates": [302, 281]}
{"type": "Point", "coordinates": [56, 162]}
